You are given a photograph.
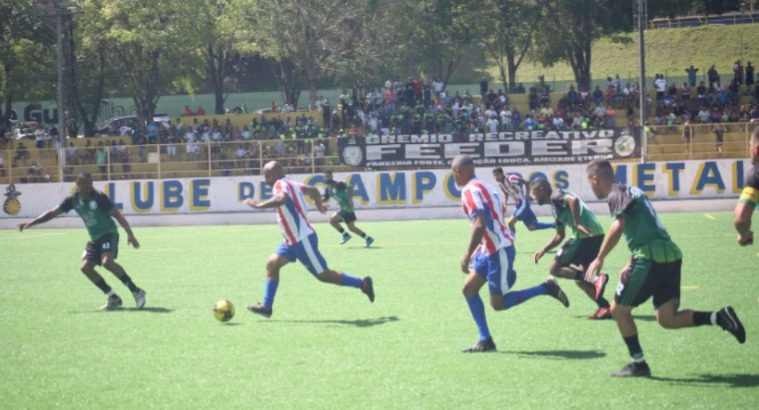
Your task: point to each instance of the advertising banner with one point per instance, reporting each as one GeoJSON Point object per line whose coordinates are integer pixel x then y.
{"type": "Point", "coordinates": [381, 189]}
{"type": "Point", "coordinates": [520, 147]}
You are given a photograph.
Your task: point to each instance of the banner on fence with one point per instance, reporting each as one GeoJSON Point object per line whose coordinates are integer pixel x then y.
{"type": "Point", "coordinates": [520, 147]}
{"type": "Point", "coordinates": [382, 189]}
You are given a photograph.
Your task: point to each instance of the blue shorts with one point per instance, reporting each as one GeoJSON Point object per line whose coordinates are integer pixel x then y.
{"type": "Point", "coordinates": [524, 213]}
{"type": "Point", "coordinates": [307, 252]}
{"type": "Point", "coordinates": [498, 269]}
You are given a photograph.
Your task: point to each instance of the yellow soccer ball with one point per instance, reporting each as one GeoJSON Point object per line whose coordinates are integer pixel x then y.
{"type": "Point", "coordinates": [224, 310]}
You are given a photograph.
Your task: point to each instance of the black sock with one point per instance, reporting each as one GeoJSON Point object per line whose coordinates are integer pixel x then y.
{"type": "Point", "coordinates": [363, 235]}
{"type": "Point", "coordinates": [633, 346]}
{"type": "Point", "coordinates": [702, 318]}
{"type": "Point", "coordinates": [126, 280]}
{"type": "Point", "coordinates": [579, 275]}
{"type": "Point", "coordinates": [602, 302]}
{"type": "Point", "coordinates": [103, 286]}
{"type": "Point", "coordinates": [340, 229]}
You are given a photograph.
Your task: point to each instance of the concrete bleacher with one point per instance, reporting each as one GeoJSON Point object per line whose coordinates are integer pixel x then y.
{"type": "Point", "coordinates": [669, 145]}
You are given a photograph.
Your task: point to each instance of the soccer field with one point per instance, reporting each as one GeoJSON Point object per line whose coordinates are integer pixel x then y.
{"type": "Point", "coordinates": [328, 347]}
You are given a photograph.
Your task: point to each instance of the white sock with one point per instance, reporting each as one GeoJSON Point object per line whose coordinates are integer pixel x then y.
{"type": "Point", "coordinates": [713, 318]}
{"type": "Point", "coordinates": [111, 294]}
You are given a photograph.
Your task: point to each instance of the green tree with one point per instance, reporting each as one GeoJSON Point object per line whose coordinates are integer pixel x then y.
{"type": "Point", "coordinates": [569, 28]}
{"type": "Point", "coordinates": [508, 39]}
{"type": "Point", "coordinates": [151, 42]}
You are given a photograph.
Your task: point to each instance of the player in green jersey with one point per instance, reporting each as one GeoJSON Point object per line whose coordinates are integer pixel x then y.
{"type": "Point", "coordinates": [749, 198]}
{"type": "Point", "coordinates": [653, 271]}
{"type": "Point", "coordinates": [577, 253]}
{"type": "Point", "coordinates": [343, 195]}
{"type": "Point", "coordinates": [98, 212]}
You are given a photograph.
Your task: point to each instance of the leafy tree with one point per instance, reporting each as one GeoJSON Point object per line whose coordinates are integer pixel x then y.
{"type": "Point", "coordinates": [512, 25]}
{"type": "Point", "coordinates": [150, 41]}
{"type": "Point", "coordinates": [715, 6]}
{"type": "Point", "coordinates": [569, 28]}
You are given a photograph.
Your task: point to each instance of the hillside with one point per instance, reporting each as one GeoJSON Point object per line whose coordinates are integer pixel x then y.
{"type": "Point", "coordinates": [668, 51]}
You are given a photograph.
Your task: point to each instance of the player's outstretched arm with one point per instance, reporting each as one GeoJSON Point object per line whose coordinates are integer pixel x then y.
{"type": "Point", "coordinates": [555, 241]}
{"type": "Point", "coordinates": [478, 230]}
{"type": "Point", "coordinates": [278, 199]}
{"type": "Point", "coordinates": [610, 241]}
{"type": "Point", "coordinates": [574, 208]}
{"type": "Point", "coordinates": [742, 221]}
{"type": "Point", "coordinates": [40, 219]}
{"type": "Point", "coordinates": [314, 194]}
{"type": "Point", "coordinates": [131, 239]}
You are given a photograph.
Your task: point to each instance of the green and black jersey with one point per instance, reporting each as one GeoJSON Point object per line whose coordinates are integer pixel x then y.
{"type": "Point", "coordinates": [96, 212]}
{"type": "Point", "coordinates": [750, 194]}
{"type": "Point", "coordinates": [339, 191]}
{"type": "Point", "coordinates": [563, 214]}
{"type": "Point", "coordinates": [644, 232]}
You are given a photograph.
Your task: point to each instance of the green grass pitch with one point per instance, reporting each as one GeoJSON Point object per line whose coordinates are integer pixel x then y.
{"type": "Point", "coordinates": [328, 347]}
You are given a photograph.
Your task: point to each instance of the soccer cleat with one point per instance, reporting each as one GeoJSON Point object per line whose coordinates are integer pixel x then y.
{"type": "Point", "coordinates": [601, 314]}
{"type": "Point", "coordinates": [113, 302]}
{"type": "Point", "coordinates": [600, 285]}
{"type": "Point", "coordinates": [139, 298]}
{"type": "Point", "coordinates": [368, 288]}
{"type": "Point", "coordinates": [369, 241]}
{"type": "Point", "coordinates": [260, 309]}
{"type": "Point", "coordinates": [728, 320]}
{"type": "Point", "coordinates": [555, 291]}
{"type": "Point", "coordinates": [481, 346]}
{"type": "Point", "coordinates": [346, 238]}
{"type": "Point", "coordinates": [634, 370]}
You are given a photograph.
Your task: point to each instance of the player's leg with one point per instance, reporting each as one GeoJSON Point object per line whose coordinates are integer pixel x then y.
{"type": "Point", "coordinates": [581, 252]}
{"type": "Point", "coordinates": [89, 261]}
{"type": "Point", "coordinates": [350, 220]}
{"type": "Point", "coordinates": [283, 255]}
{"type": "Point", "coordinates": [335, 220]}
{"type": "Point", "coordinates": [634, 288]}
{"type": "Point", "coordinates": [531, 221]}
{"type": "Point", "coordinates": [666, 302]}
{"type": "Point", "coordinates": [307, 252]}
{"type": "Point", "coordinates": [109, 251]}
{"type": "Point", "coordinates": [474, 281]}
{"type": "Point", "coordinates": [502, 276]}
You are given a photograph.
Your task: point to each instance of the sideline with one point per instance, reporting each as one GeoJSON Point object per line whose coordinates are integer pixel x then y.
{"type": "Point", "coordinates": [388, 214]}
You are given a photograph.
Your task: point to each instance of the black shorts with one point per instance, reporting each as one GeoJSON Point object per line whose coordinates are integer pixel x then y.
{"type": "Point", "coordinates": [643, 278]}
{"type": "Point", "coordinates": [579, 251]}
{"type": "Point", "coordinates": [348, 217]}
{"type": "Point", "coordinates": [107, 243]}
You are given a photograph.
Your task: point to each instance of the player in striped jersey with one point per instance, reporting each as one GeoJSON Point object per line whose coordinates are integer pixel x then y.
{"type": "Point", "coordinates": [653, 271]}
{"type": "Point", "coordinates": [749, 198]}
{"type": "Point", "coordinates": [300, 242]}
{"type": "Point", "coordinates": [491, 254]}
{"type": "Point", "coordinates": [515, 187]}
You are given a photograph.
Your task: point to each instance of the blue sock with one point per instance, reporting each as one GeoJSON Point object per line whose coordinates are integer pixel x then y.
{"type": "Point", "coordinates": [545, 225]}
{"type": "Point", "coordinates": [270, 289]}
{"type": "Point", "coordinates": [478, 313]}
{"type": "Point", "coordinates": [351, 281]}
{"type": "Point", "coordinates": [516, 297]}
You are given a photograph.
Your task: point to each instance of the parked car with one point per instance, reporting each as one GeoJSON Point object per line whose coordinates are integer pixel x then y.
{"type": "Point", "coordinates": [113, 125]}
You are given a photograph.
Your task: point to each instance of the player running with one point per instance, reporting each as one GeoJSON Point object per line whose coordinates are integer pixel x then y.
{"type": "Point", "coordinates": [653, 270]}
{"type": "Point", "coordinates": [570, 211]}
{"type": "Point", "coordinates": [300, 242]}
{"type": "Point", "coordinates": [98, 212]}
{"type": "Point", "coordinates": [514, 187]}
{"type": "Point", "coordinates": [491, 253]}
{"type": "Point", "coordinates": [343, 195]}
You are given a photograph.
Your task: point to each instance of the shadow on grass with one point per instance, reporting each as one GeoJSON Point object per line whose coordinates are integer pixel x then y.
{"type": "Point", "coordinates": [561, 354]}
{"type": "Point", "coordinates": [639, 318]}
{"type": "Point", "coordinates": [714, 380]}
{"type": "Point", "coordinates": [357, 323]}
{"type": "Point", "coordinates": [149, 309]}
